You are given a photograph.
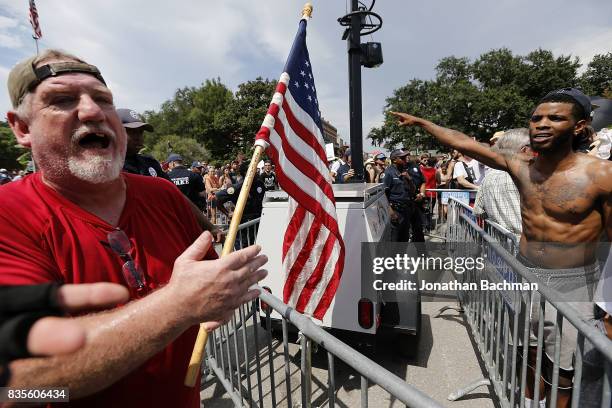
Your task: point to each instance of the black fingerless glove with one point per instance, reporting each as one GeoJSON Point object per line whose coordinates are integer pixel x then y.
{"type": "Point", "coordinates": [20, 308]}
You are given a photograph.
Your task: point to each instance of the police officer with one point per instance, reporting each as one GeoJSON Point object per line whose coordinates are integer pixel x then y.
{"type": "Point", "coordinates": [190, 183]}
{"type": "Point", "coordinates": [134, 162]}
{"type": "Point", "coordinates": [197, 168]}
{"type": "Point", "coordinates": [254, 203]}
{"type": "Point", "coordinates": [403, 194]}
{"type": "Point", "coordinates": [147, 166]}
{"type": "Point", "coordinates": [413, 170]}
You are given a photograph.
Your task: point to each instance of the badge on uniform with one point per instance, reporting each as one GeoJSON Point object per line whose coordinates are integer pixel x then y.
{"type": "Point", "coordinates": [231, 190]}
{"type": "Point", "coordinates": [152, 172]}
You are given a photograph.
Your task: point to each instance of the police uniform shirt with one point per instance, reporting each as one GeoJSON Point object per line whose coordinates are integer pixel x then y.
{"type": "Point", "coordinates": [268, 180]}
{"type": "Point", "coordinates": [253, 205]}
{"type": "Point", "coordinates": [144, 165]}
{"type": "Point", "coordinates": [190, 183]}
{"type": "Point", "coordinates": [415, 173]}
{"type": "Point", "coordinates": [395, 187]}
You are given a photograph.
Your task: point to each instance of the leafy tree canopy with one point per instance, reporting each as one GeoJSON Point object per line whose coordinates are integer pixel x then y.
{"type": "Point", "coordinates": [223, 122]}
{"type": "Point", "coordinates": [496, 91]}
{"type": "Point", "coordinates": [189, 148]}
{"type": "Point", "coordinates": [10, 151]}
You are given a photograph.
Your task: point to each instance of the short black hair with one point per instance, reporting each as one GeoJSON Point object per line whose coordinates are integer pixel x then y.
{"type": "Point", "coordinates": [577, 110]}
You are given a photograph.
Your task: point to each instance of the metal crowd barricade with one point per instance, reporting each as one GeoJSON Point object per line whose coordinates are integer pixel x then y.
{"type": "Point", "coordinates": [494, 318]}
{"type": "Point", "coordinates": [241, 354]}
{"type": "Point", "coordinates": [436, 216]}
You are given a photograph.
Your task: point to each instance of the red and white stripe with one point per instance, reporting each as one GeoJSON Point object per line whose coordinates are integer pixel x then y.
{"type": "Point", "coordinates": [313, 250]}
{"type": "Point", "coordinates": [34, 20]}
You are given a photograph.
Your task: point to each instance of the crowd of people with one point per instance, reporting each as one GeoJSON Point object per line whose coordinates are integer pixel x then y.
{"type": "Point", "coordinates": [88, 200]}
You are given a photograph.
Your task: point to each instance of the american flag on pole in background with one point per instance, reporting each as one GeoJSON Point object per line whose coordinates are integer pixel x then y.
{"type": "Point", "coordinates": [313, 250]}
{"type": "Point", "coordinates": [34, 21]}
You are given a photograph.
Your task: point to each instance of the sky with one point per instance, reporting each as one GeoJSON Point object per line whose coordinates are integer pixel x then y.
{"type": "Point", "coordinates": [148, 49]}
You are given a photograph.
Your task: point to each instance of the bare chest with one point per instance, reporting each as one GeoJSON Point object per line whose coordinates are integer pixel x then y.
{"type": "Point", "coordinates": [566, 196]}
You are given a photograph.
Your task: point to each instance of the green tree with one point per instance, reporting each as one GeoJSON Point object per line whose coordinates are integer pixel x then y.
{"type": "Point", "coordinates": [194, 113]}
{"type": "Point", "coordinates": [544, 73]}
{"type": "Point", "coordinates": [248, 110]}
{"type": "Point", "coordinates": [10, 151]}
{"type": "Point", "coordinates": [211, 114]}
{"type": "Point", "coordinates": [187, 147]}
{"type": "Point", "coordinates": [496, 91]}
{"type": "Point", "coordinates": [597, 79]}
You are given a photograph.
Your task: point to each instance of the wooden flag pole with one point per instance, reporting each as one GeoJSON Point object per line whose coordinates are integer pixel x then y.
{"type": "Point", "coordinates": [198, 349]}
{"type": "Point", "coordinates": [228, 246]}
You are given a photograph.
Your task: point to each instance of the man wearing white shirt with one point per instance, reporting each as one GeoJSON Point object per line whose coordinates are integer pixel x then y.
{"type": "Point", "coordinates": [466, 171]}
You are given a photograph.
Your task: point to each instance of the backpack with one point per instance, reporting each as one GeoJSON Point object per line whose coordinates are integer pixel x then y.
{"type": "Point", "coordinates": [471, 176]}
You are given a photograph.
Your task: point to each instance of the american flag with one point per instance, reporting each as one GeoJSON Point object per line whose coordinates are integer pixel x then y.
{"type": "Point", "coordinates": [34, 20]}
{"type": "Point", "coordinates": [313, 250]}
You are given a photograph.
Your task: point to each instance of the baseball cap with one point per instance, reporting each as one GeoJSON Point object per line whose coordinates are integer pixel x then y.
{"type": "Point", "coordinates": [174, 157]}
{"type": "Point", "coordinates": [30, 167]}
{"type": "Point", "coordinates": [132, 120]}
{"type": "Point", "coordinates": [196, 164]}
{"type": "Point", "coordinates": [496, 135]}
{"type": "Point", "coordinates": [577, 95]}
{"type": "Point", "coordinates": [398, 153]}
{"type": "Point", "coordinates": [25, 76]}
{"type": "Point", "coordinates": [380, 156]}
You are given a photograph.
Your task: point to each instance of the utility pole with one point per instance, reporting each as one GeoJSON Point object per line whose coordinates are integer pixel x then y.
{"type": "Point", "coordinates": [354, 65]}
{"type": "Point", "coordinates": [369, 55]}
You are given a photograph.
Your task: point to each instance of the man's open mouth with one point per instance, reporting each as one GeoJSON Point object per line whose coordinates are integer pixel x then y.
{"type": "Point", "coordinates": [95, 141]}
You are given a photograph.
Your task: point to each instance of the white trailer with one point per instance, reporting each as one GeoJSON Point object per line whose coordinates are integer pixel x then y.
{"type": "Point", "coordinates": [363, 216]}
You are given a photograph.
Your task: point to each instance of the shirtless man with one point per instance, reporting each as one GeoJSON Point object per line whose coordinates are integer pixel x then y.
{"type": "Point", "coordinates": [566, 206]}
{"type": "Point", "coordinates": [566, 200]}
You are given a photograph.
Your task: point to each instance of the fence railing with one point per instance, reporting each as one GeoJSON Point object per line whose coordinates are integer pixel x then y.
{"type": "Point", "coordinates": [242, 354]}
{"type": "Point", "coordinates": [501, 321]}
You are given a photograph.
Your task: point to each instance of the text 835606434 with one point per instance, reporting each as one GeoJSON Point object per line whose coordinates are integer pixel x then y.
{"type": "Point", "coordinates": [34, 394]}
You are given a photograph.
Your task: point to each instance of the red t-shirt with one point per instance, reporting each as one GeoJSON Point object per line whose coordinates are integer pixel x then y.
{"type": "Point", "coordinates": [44, 237]}
{"type": "Point", "coordinates": [430, 180]}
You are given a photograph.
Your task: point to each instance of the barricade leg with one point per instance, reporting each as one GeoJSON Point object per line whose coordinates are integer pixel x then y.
{"type": "Point", "coordinates": [305, 369]}
{"type": "Point", "coordinates": [364, 392]}
{"type": "Point", "coordinates": [331, 380]}
{"type": "Point", "coordinates": [287, 368]}
{"type": "Point", "coordinates": [271, 358]}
